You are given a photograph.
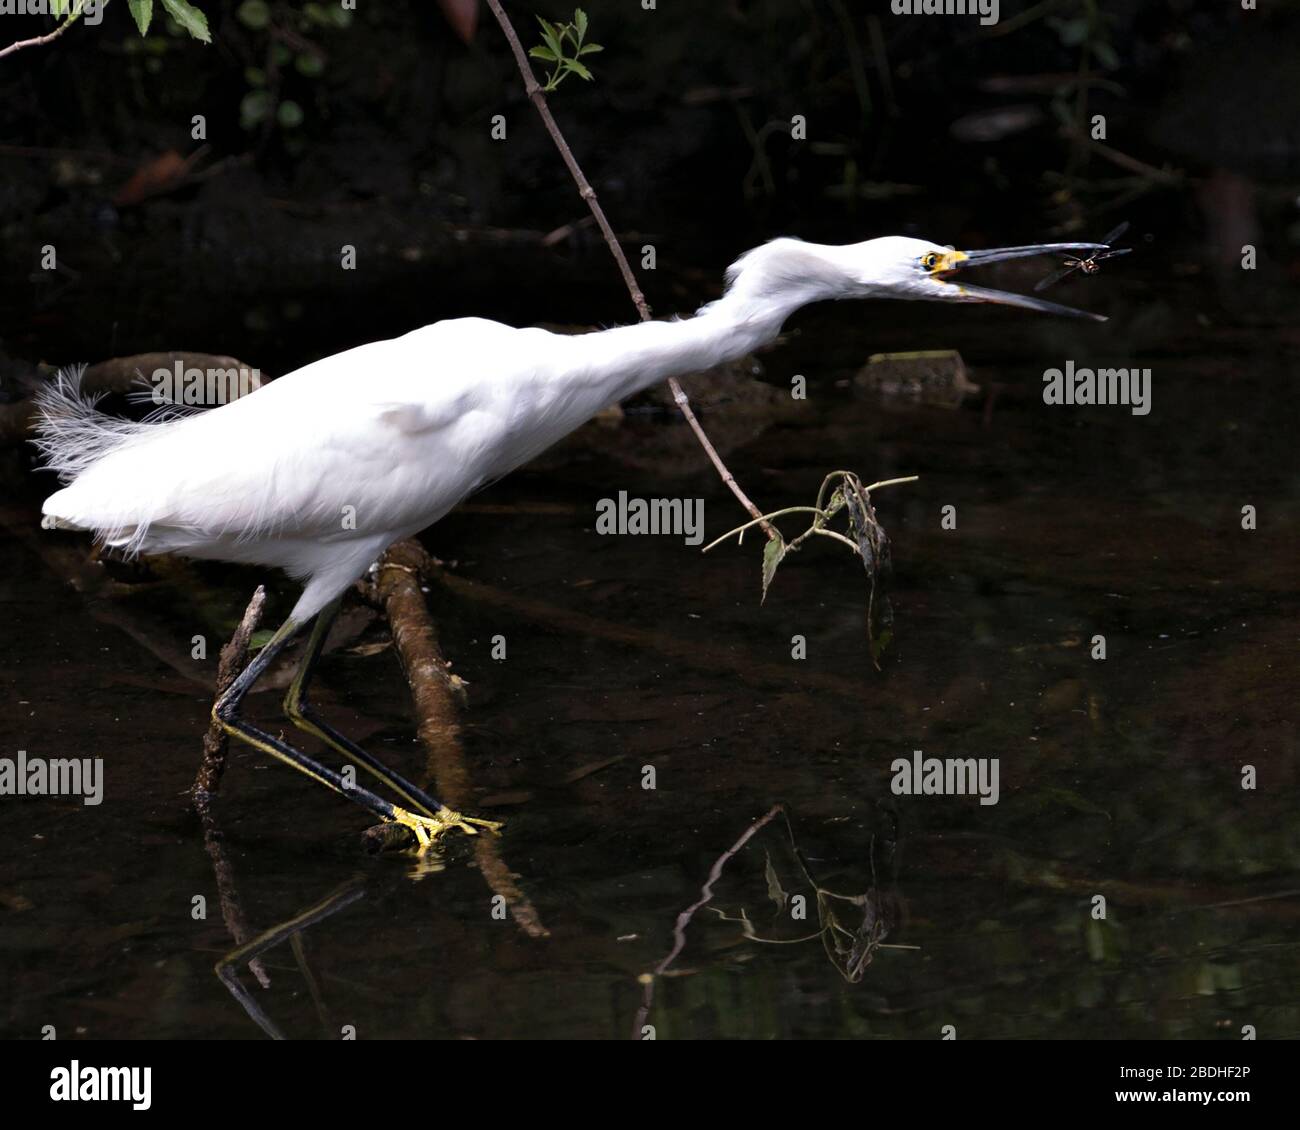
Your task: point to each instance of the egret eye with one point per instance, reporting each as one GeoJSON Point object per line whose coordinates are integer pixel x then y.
{"type": "Point", "coordinates": [928, 261]}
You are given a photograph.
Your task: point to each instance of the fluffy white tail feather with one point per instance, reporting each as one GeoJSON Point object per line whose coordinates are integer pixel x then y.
{"type": "Point", "coordinates": [73, 436]}
{"type": "Point", "coordinates": [70, 433]}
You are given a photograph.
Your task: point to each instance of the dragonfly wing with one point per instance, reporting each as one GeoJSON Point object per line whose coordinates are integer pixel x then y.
{"type": "Point", "coordinates": [1054, 277]}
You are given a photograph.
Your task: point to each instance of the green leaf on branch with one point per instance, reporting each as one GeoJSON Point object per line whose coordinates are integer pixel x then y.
{"type": "Point", "coordinates": [551, 36]}
{"type": "Point", "coordinates": [142, 13]}
{"type": "Point", "coordinates": [773, 554]}
{"type": "Point", "coordinates": [561, 45]}
{"type": "Point", "coordinates": [866, 537]}
{"type": "Point", "coordinates": [190, 18]}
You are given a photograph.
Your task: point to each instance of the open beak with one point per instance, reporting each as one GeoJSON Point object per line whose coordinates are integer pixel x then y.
{"type": "Point", "coordinates": [957, 261]}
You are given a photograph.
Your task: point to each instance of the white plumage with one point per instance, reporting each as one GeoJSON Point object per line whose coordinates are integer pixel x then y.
{"type": "Point", "coordinates": [318, 472]}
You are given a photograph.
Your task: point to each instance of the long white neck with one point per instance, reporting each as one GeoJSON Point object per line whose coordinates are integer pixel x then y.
{"type": "Point", "coordinates": [767, 286]}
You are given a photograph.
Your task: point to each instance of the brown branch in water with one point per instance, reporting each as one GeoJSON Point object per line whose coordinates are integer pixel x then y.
{"type": "Point", "coordinates": [208, 782]}
{"type": "Point", "coordinates": [232, 909]}
{"type": "Point", "coordinates": [538, 98]}
{"type": "Point", "coordinates": [438, 693]}
{"type": "Point", "coordinates": [438, 696]}
{"type": "Point", "coordinates": [229, 665]}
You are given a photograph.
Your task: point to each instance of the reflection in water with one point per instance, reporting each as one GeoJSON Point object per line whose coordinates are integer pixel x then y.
{"type": "Point", "coordinates": [1120, 778]}
{"type": "Point", "coordinates": [640, 1031]}
{"type": "Point", "coordinates": [850, 941]}
{"type": "Point", "coordinates": [850, 938]}
{"type": "Point", "coordinates": [232, 910]}
{"type": "Point", "coordinates": [290, 929]}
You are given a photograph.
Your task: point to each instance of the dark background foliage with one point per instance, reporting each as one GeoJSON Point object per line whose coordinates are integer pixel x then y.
{"type": "Point", "coordinates": [923, 125]}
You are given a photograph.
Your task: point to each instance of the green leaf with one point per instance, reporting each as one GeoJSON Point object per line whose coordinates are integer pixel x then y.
{"type": "Point", "coordinates": [190, 18]}
{"type": "Point", "coordinates": [577, 68]}
{"type": "Point", "coordinates": [289, 114]}
{"type": "Point", "coordinates": [589, 48]}
{"type": "Point", "coordinates": [255, 14]}
{"type": "Point", "coordinates": [580, 22]}
{"type": "Point", "coordinates": [773, 554]}
{"type": "Point", "coordinates": [543, 53]}
{"type": "Point", "coordinates": [142, 13]}
{"type": "Point", "coordinates": [59, 8]}
{"type": "Point", "coordinates": [551, 36]}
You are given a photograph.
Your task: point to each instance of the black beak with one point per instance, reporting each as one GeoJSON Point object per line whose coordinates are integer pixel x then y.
{"type": "Point", "coordinates": [998, 254]}
{"type": "Point", "coordinates": [1007, 298]}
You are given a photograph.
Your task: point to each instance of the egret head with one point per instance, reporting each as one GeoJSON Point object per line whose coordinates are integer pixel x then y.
{"type": "Point", "coordinates": [771, 281]}
{"type": "Point", "coordinates": [898, 267]}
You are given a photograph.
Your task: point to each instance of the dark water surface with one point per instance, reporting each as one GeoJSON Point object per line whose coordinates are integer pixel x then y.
{"type": "Point", "coordinates": [1119, 778]}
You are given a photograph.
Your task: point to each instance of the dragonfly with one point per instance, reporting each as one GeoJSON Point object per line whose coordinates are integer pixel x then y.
{"type": "Point", "coordinates": [1088, 264]}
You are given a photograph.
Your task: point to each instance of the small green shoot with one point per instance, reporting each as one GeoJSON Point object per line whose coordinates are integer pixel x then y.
{"type": "Point", "coordinates": [563, 45]}
{"type": "Point", "coordinates": [866, 537]}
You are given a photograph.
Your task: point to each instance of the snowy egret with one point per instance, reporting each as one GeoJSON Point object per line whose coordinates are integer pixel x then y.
{"type": "Point", "coordinates": [320, 471]}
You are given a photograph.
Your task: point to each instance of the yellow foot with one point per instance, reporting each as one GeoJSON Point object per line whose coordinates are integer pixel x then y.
{"type": "Point", "coordinates": [428, 829]}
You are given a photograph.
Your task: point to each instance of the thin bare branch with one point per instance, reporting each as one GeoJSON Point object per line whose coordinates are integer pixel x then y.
{"type": "Point", "coordinates": [534, 90]}
{"type": "Point", "coordinates": [41, 40]}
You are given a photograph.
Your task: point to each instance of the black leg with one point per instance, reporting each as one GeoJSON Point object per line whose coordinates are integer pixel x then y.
{"type": "Point", "coordinates": [226, 711]}
{"type": "Point", "coordinates": [303, 715]}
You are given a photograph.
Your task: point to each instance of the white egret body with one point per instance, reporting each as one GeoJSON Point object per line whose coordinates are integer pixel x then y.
{"type": "Point", "coordinates": [319, 471]}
